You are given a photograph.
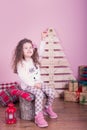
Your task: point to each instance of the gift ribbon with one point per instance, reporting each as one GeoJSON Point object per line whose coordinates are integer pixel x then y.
{"type": "Point", "coordinates": [78, 92]}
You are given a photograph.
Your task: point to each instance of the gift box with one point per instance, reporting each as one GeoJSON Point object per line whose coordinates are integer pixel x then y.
{"type": "Point", "coordinates": [70, 96]}
{"type": "Point", "coordinates": [83, 98]}
{"type": "Point", "coordinates": [73, 86]}
{"type": "Point", "coordinates": [83, 85]}
{"type": "Point", "coordinates": [82, 69]}
{"type": "Point", "coordinates": [84, 89]}
{"type": "Point", "coordinates": [83, 78]}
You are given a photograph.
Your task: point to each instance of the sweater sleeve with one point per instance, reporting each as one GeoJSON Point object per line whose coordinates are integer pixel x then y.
{"type": "Point", "coordinates": [24, 75]}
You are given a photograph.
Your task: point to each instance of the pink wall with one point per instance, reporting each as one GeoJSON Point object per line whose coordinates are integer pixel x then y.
{"type": "Point", "coordinates": [28, 18]}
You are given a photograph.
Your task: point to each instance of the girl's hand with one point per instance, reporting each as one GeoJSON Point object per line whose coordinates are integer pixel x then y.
{"type": "Point", "coordinates": [38, 85]}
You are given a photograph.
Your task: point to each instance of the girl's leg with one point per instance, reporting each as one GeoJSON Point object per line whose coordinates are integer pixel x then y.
{"type": "Point", "coordinates": [50, 92]}
{"type": "Point", "coordinates": [39, 95]}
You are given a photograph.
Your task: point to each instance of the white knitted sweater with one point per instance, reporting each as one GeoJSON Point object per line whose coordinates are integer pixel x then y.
{"type": "Point", "coordinates": [28, 74]}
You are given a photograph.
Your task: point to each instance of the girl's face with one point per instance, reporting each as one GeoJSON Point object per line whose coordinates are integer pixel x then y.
{"type": "Point", "coordinates": [27, 50]}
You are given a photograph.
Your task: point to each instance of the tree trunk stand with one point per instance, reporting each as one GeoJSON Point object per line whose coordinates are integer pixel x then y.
{"type": "Point", "coordinates": [27, 109]}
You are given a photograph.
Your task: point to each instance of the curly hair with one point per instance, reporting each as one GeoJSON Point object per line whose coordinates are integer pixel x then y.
{"type": "Point", "coordinates": [18, 55]}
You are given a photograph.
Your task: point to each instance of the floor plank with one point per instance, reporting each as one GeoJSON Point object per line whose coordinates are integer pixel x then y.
{"type": "Point", "coordinates": [71, 116]}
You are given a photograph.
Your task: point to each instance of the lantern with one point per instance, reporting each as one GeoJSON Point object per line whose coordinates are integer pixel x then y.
{"type": "Point", "coordinates": [10, 114]}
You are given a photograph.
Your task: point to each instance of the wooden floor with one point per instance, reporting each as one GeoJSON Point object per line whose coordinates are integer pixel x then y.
{"type": "Point", "coordinates": [71, 116]}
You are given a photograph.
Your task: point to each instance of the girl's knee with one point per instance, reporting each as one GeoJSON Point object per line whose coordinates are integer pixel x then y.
{"type": "Point", "coordinates": [39, 93]}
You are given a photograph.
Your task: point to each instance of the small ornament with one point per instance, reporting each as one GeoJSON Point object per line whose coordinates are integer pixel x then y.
{"type": "Point", "coordinates": [44, 35]}
{"type": "Point", "coordinates": [10, 114]}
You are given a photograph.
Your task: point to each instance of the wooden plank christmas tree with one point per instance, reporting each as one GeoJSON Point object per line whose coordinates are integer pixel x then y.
{"type": "Point", "coordinates": [55, 68]}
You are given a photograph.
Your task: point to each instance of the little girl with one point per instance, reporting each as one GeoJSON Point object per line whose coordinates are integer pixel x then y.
{"type": "Point", "coordinates": [26, 65]}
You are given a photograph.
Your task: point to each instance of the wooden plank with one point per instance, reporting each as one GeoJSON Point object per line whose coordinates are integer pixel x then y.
{"type": "Point", "coordinates": [60, 85]}
{"type": "Point", "coordinates": [63, 77]}
{"type": "Point", "coordinates": [62, 70]}
{"type": "Point", "coordinates": [44, 71]}
{"type": "Point", "coordinates": [57, 62]}
{"type": "Point", "coordinates": [52, 39]}
{"type": "Point", "coordinates": [52, 47]}
{"type": "Point", "coordinates": [58, 77]}
{"type": "Point", "coordinates": [57, 53]}
{"type": "Point", "coordinates": [56, 70]}
{"type": "Point", "coordinates": [57, 85]}
{"type": "Point", "coordinates": [54, 54]}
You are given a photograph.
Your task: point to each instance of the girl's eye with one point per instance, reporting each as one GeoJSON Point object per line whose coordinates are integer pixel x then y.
{"type": "Point", "coordinates": [26, 48]}
{"type": "Point", "coordinates": [31, 47]}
